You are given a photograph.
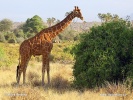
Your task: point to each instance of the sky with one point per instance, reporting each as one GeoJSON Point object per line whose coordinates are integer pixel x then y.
{"type": "Point", "coordinates": [20, 10]}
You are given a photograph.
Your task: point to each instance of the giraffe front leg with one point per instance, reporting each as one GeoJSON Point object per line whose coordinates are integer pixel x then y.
{"type": "Point", "coordinates": [45, 66]}
{"type": "Point", "coordinates": [44, 61]}
{"type": "Point", "coordinates": [43, 73]}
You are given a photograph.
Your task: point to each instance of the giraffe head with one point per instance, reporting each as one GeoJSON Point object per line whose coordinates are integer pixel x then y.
{"type": "Point", "coordinates": [77, 13]}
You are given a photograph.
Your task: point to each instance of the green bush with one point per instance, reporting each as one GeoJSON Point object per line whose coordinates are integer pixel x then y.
{"type": "Point", "coordinates": [58, 53]}
{"type": "Point", "coordinates": [8, 54]}
{"type": "Point", "coordinates": [10, 37]}
{"type": "Point", "coordinates": [18, 33]}
{"type": "Point", "coordinates": [11, 41]}
{"type": "Point", "coordinates": [103, 54]}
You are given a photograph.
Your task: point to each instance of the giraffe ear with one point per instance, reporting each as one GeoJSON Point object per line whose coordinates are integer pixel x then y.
{"type": "Point", "coordinates": [78, 8]}
{"type": "Point", "coordinates": [75, 8]}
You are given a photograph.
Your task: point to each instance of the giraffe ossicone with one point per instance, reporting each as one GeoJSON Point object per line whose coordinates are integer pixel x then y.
{"type": "Point", "coordinates": [41, 44]}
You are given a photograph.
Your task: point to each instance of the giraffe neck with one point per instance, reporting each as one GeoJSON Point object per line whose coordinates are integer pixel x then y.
{"type": "Point", "coordinates": [53, 31]}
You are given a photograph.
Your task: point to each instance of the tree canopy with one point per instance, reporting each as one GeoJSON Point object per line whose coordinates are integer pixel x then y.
{"type": "Point", "coordinates": [51, 21]}
{"type": "Point", "coordinates": [33, 25]}
{"type": "Point", "coordinates": [105, 53]}
{"type": "Point", "coordinates": [5, 25]}
{"type": "Point", "coordinates": [108, 17]}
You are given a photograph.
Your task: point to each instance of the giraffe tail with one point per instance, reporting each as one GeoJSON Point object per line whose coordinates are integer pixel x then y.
{"type": "Point", "coordinates": [18, 68]}
{"type": "Point", "coordinates": [17, 72]}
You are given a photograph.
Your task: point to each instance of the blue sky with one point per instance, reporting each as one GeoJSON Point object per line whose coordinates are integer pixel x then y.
{"type": "Point", "coordinates": [20, 10]}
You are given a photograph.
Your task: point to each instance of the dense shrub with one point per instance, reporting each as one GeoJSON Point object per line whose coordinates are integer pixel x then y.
{"type": "Point", "coordinates": [105, 53]}
{"type": "Point", "coordinates": [19, 33]}
{"type": "Point", "coordinates": [8, 54]}
{"type": "Point", "coordinates": [10, 37]}
{"type": "Point", "coordinates": [11, 41]}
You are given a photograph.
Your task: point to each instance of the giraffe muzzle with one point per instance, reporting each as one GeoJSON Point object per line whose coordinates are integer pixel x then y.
{"type": "Point", "coordinates": [82, 18]}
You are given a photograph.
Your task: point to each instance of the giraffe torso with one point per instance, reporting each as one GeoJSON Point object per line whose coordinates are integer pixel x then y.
{"type": "Point", "coordinates": [36, 45]}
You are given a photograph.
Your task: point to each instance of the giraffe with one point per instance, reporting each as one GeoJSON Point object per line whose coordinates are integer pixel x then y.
{"type": "Point", "coordinates": [41, 44]}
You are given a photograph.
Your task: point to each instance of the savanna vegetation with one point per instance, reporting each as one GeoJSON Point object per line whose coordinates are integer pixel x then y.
{"type": "Point", "coordinates": [104, 54]}
{"type": "Point", "coordinates": [94, 65]}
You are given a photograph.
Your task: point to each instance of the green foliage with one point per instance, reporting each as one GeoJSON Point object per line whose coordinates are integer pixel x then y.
{"type": "Point", "coordinates": [108, 17]}
{"type": "Point", "coordinates": [105, 53]}
{"type": "Point", "coordinates": [33, 25]}
{"type": "Point", "coordinates": [8, 54]}
{"type": "Point", "coordinates": [60, 54]}
{"type": "Point", "coordinates": [2, 37]}
{"type": "Point", "coordinates": [5, 25]}
{"type": "Point", "coordinates": [69, 48]}
{"type": "Point", "coordinates": [51, 21]}
{"type": "Point", "coordinates": [19, 40]}
{"type": "Point", "coordinates": [10, 37]}
{"type": "Point", "coordinates": [19, 33]}
{"type": "Point", "coordinates": [68, 34]}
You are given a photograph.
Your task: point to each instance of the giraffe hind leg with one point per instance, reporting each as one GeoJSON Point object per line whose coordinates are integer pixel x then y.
{"type": "Point", "coordinates": [22, 68]}
{"type": "Point", "coordinates": [25, 67]}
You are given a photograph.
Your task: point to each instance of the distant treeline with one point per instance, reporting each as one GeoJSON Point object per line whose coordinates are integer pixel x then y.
{"type": "Point", "coordinates": [15, 32]}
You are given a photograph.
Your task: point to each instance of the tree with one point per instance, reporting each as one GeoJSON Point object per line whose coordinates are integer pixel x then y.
{"type": "Point", "coordinates": [105, 53]}
{"type": "Point", "coordinates": [68, 35]}
{"type": "Point", "coordinates": [5, 25]}
{"type": "Point", "coordinates": [19, 33]}
{"type": "Point", "coordinates": [108, 17]}
{"type": "Point", "coordinates": [58, 21]}
{"type": "Point", "coordinates": [115, 17]}
{"type": "Point", "coordinates": [10, 37]}
{"type": "Point", "coordinates": [33, 25]}
{"type": "Point", "coordinates": [51, 21]}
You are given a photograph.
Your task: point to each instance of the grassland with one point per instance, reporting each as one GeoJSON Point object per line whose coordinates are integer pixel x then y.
{"type": "Point", "coordinates": [61, 78]}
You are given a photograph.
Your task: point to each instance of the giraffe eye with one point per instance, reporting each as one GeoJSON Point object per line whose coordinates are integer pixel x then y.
{"type": "Point", "coordinates": [76, 12]}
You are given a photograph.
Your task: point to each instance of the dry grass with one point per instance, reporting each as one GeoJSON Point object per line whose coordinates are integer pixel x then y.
{"type": "Point", "coordinates": [60, 89]}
